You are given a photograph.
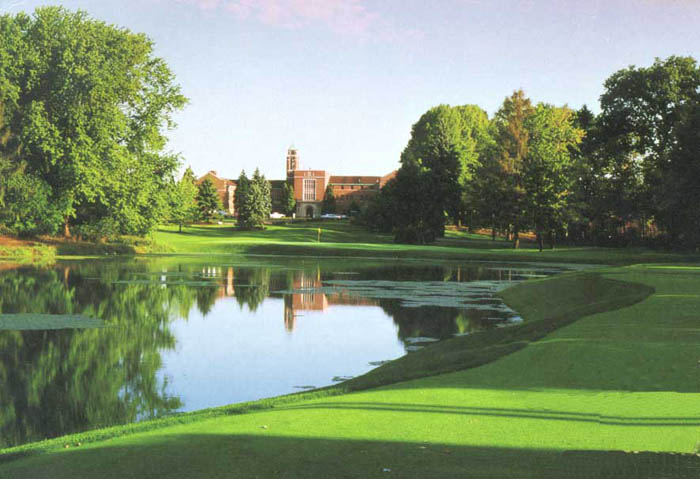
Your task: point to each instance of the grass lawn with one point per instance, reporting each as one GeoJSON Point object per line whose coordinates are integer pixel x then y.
{"type": "Point", "coordinates": [603, 381]}
{"type": "Point", "coordinates": [338, 238]}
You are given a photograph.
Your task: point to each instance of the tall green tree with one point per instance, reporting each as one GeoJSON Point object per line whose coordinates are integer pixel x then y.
{"type": "Point", "coordinates": [419, 219]}
{"type": "Point", "coordinates": [254, 201]}
{"type": "Point", "coordinates": [547, 173]}
{"type": "Point", "coordinates": [329, 203]}
{"type": "Point", "coordinates": [446, 142]}
{"type": "Point", "coordinates": [89, 103]}
{"type": "Point", "coordinates": [513, 137]}
{"type": "Point", "coordinates": [289, 202]}
{"type": "Point", "coordinates": [208, 201]}
{"type": "Point", "coordinates": [240, 200]}
{"type": "Point", "coordinates": [184, 207]}
{"type": "Point", "coordinates": [260, 201]}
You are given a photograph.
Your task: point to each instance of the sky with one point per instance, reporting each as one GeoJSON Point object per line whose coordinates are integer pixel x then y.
{"type": "Point", "coordinates": [344, 80]}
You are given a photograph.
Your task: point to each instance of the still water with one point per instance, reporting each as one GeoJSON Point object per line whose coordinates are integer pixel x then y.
{"type": "Point", "coordinates": [179, 334]}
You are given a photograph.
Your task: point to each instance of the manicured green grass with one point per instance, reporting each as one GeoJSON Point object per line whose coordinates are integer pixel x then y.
{"type": "Point", "coordinates": [622, 377]}
{"type": "Point", "coordinates": [339, 238]}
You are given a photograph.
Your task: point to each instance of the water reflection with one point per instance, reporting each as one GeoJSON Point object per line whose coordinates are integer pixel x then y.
{"type": "Point", "coordinates": [182, 334]}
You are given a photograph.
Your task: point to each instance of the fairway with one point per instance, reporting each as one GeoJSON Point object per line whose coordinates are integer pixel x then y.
{"type": "Point", "coordinates": [340, 238]}
{"type": "Point", "coordinates": [623, 380]}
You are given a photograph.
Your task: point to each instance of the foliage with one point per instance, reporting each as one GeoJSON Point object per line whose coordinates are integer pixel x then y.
{"type": "Point", "coordinates": [253, 201]}
{"type": "Point", "coordinates": [289, 202]}
{"type": "Point", "coordinates": [512, 137]}
{"type": "Point", "coordinates": [88, 103]}
{"type": "Point", "coordinates": [26, 207]}
{"type": "Point", "coordinates": [446, 141]}
{"type": "Point", "coordinates": [354, 208]}
{"type": "Point", "coordinates": [183, 200]}
{"type": "Point", "coordinates": [647, 134]}
{"type": "Point", "coordinates": [547, 172]}
{"type": "Point", "coordinates": [208, 201]}
{"type": "Point", "coordinates": [329, 202]}
{"type": "Point", "coordinates": [241, 198]}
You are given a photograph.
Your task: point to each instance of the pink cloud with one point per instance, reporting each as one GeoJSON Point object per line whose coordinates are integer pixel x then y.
{"type": "Point", "coordinates": [351, 17]}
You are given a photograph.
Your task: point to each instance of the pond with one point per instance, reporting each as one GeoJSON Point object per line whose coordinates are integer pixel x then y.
{"type": "Point", "coordinates": [86, 344]}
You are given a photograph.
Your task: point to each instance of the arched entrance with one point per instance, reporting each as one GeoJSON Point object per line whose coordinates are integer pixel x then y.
{"type": "Point", "coordinates": [309, 211]}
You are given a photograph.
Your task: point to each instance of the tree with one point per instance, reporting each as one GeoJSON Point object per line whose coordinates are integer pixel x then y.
{"type": "Point", "coordinates": [418, 216]}
{"type": "Point", "coordinates": [253, 199]}
{"type": "Point", "coordinates": [240, 198]}
{"type": "Point", "coordinates": [643, 127]}
{"type": "Point", "coordinates": [89, 104]}
{"type": "Point", "coordinates": [208, 201]}
{"type": "Point", "coordinates": [445, 141]}
{"type": "Point", "coordinates": [512, 138]}
{"type": "Point", "coordinates": [184, 206]}
{"type": "Point", "coordinates": [289, 202]}
{"type": "Point", "coordinates": [329, 203]}
{"type": "Point", "coordinates": [546, 170]}
{"type": "Point", "coordinates": [260, 200]}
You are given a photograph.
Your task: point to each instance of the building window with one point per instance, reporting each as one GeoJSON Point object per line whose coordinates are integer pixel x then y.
{"type": "Point", "coordinates": [309, 190]}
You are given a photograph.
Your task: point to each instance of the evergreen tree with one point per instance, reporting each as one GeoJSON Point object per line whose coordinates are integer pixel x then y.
{"type": "Point", "coordinates": [241, 199]}
{"type": "Point", "coordinates": [254, 200]}
{"type": "Point", "coordinates": [329, 203]}
{"type": "Point", "coordinates": [289, 202]}
{"type": "Point", "coordinates": [260, 200]}
{"type": "Point", "coordinates": [208, 201]}
{"type": "Point", "coordinates": [513, 137]}
{"type": "Point", "coordinates": [184, 206]}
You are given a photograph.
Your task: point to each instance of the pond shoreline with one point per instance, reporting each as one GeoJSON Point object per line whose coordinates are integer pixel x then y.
{"type": "Point", "coordinates": [442, 357]}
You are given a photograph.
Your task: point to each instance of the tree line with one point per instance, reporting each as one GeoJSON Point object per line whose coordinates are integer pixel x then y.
{"type": "Point", "coordinates": [627, 174]}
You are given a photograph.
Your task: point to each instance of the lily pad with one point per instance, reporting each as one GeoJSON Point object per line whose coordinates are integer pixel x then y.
{"type": "Point", "coordinates": [34, 321]}
{"type": "Point", "coordinates": [416, 294]}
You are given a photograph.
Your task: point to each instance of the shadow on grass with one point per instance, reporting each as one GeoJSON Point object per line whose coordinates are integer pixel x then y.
{"type": "Point", "coordinates": [548, 415]}
{"type": "Point", "coordinates": [263, 456]}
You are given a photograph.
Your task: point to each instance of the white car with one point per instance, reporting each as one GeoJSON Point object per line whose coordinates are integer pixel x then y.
{"type": "Point", "coordinates": [276, 216]}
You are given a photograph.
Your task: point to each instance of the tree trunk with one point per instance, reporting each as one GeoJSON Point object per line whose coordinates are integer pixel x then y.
{"type": "Point", "coordinates": [540, 240]}
{"type": "Point", "coordinates": [516, 239]}
{"type": "Point", "coordinates": [552, 239]}
{"type": "Point", "coordinates": [66, 229]}
{"type": "Point", "coordinates": [180, 228]}
{"type": "Point", "coordinates": [493, 233]}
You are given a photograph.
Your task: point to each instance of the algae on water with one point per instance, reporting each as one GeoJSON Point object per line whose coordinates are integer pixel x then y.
{"type": "Point", "coordinates": [35, 321]}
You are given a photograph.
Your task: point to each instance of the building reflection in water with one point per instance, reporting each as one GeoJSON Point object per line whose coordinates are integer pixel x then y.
{"type": "Point", "coordinates": [306, 297]}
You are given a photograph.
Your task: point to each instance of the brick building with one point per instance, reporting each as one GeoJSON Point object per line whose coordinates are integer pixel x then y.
{"type": "Point", "coordinates": [309, 188]}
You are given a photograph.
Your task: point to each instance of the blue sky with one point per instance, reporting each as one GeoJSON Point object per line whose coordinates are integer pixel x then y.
{"type": "Point", "coordinates": [344, 80]}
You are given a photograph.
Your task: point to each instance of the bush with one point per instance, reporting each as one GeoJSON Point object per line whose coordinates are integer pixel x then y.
{"type": "Point", "coordinates": [28, 209]}
{"type": "Point", "coordinates": [105, 229]}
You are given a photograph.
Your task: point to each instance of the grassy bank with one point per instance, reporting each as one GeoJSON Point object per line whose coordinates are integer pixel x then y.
{"type": "Point", "coordinates": [46, 248]}
{"type": "Point", "coordinates": [604, 363]}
